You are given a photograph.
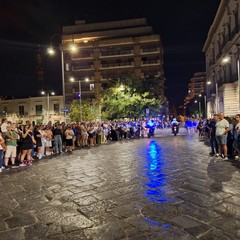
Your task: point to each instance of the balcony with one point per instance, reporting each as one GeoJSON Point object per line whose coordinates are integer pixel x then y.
{"type": "Point", "coordinates": [82, 57]}
{"type": "Point", "coordinates": [150, 62]}
{"type": "Point", "coordinates": [147, 51]}
{"type": "Point", "coordinates": [121, 53]}
{"type": "Point", "coordinates": [116, 65]}
{"type": "Point", "coordinates": [82, 68]}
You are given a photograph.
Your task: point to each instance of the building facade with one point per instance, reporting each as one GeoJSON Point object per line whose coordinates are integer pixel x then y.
{"type": "Point", "coordinates": [196, 94]}
{"type": "Point", "coordinates": [222, 52]}
{"type": "Point", "coordinates": [35, 109]}
{"type": "Point", "coordinates": [108, 52]}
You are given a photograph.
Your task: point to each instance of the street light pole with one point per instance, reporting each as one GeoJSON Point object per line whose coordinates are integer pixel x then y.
{"type": "Point", "coordinates": [63, 80]}
{"type": "Point", "coordinates": [48, 104]}
{"type": "Point", "coordinates": [199, 105]}
{"type": "Point", "coordinates": [217, 99]}
{"type": "Point", "coordinates": [80, 99]}
{"type": "Point", "coordinates": [80, 93]}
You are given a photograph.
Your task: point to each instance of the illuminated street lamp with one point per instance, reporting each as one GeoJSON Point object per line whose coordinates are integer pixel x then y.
{"type": "Point", "coordinates": [48, 101]}
{"type": "Point", "coordinates": [80, 93]}
{"type": "Point", "coordinates": [51, 51]}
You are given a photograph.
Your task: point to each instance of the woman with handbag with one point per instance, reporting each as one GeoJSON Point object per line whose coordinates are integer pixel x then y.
{"type": "Point", "coordinates": [28, 141]}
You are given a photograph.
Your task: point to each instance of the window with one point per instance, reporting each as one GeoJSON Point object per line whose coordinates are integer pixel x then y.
{"type": "Point", "coordinates": [56, 107]}
{"type": "Point", "coordinates": [39, 109]}
{"type": "Point", "coordinates": [21, 110]}
{"type": "Point", "coordinates": [4, 109]}
{"type": "Point", "coordinates": [91, 86]}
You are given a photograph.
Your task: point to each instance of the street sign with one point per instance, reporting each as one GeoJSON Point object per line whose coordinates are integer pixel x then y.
{"type": "Point", "coordinates": [147, 111]}
{"type": "Point", "coordinates": [64, 110]}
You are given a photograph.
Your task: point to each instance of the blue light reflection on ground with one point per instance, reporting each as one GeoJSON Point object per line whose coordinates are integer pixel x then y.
{"type": "Point", "coordinates": [156, 180]}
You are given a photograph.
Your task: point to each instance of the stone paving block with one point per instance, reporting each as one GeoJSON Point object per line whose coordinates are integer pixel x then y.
{"type": "Point", "coordinates": [126, 211]}
{"type": "Point", "coordinates": [72, 197]}
{"type": "Point", "coordinates": [8, 204]}
{"type": "Point", "coordinates": [169, 232]}
{"type": "Point", "coordinates": [228, 209]}
{"type": "Point", "coordinates": [190, 225]}
{"type": "Point", "coordinates": [110, 231]}
{"type": "Point", "coordinates": [200, 213]}
{"type": "Point", "coordinates": [87, 200]}
{"type": "Point", "coordinates": [233, 199]}
{"type": "Point", "coordinates": [41, 231]}
{"type": "Point", "coordinates": [106, 195]}
{"type": "Point", "coordinates": [3, 226]}
{"type": "Point", "coordinates": [14, 234]}
{"type": "Point", "coordinates": [216, 234]}
{"type": "Point", "coordinates": [75, 189]}
{"type": "Point", "coordinates": [198, 199]}
{"type": "Point", "coordinates": [22, 220]}
{"type": "Point", "coordinates": [97, 208]}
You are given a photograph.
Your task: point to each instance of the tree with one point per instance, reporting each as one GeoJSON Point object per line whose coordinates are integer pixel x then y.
{"type": "Point", "coordinates": [128, 102]}
{"type": "Point", "coordinates": [90, 111]}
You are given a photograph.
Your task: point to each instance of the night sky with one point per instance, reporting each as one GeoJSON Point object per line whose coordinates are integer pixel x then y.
{"type": "Point", "coordinates": [27, 27]}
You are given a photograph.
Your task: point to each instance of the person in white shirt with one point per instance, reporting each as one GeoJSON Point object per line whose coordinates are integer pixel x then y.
{"type": "Point", "coordinates": [222, 129]}
{"type": "Point", "coordinates": [4, 125]}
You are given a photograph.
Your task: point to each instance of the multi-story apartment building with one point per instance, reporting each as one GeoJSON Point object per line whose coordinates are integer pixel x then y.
{"type": "Point", "coordinates": [108, 52]}
{"type": "Point", "coordinates": [38, 109]}
{"type": "Point", "coordinates": [197, 84]}
{"type": "Point", "coordinates": [222, 52]}
{"type": "Point", "coordinates": [196, 90]}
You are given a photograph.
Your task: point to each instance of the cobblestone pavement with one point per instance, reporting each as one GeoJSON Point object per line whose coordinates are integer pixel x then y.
{"type": "Point", "coordinates": [162, 188]}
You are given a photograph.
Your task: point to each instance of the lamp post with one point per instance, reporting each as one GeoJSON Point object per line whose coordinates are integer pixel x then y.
{"type": "Point", "coordinates": [199, 105]}
{"type": "Point", "coordinates": [80, 93]}
{"type": "Point", "coordinates": [48, 102]}
{"type": "Point", "coordinates": [51, 51]}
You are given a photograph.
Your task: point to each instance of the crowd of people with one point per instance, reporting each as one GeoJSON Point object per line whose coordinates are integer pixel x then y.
{"type": "Point", "coordinates": [21, 144]}
{"type": "Point", "coordinates": [223, 134]}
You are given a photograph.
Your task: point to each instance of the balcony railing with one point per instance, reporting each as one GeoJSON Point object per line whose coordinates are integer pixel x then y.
{"type": "Point", "coordinates": [83, 67]}
{"type": "Point", "coordinates": [116, 53]}
{"type": "Point", "coordinates": [110, 65]}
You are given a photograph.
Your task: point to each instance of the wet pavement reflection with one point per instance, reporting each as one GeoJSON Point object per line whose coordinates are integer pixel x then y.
{"type": "Point", "coordinates": [165, 187]}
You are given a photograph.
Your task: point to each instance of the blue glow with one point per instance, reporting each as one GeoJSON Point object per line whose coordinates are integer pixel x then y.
{"type": "Point", "coordinates": [150, 123]}
{"type": "Point", "coordinates": [156, 179]}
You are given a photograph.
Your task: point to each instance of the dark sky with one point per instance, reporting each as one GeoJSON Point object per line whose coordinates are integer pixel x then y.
{"type": "Point", "coordinates": [27, 24]}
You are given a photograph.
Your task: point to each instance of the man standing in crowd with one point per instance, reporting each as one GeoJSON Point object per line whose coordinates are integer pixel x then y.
{"type": "Point", "coordinates": [236, 132]}
{"type": "Point", "coordinates": [213, 141]}
{"type": "Point", "coordinates": [222, 128]}
{"type": "Point", "coordinates": [11, 138]}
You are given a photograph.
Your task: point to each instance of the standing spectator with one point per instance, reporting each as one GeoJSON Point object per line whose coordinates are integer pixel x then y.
{"type": "Point", "coordinates": [84, 135]}
{"type": "Point", "coordinates": [222, 128]}
{"type": "Point", "coordinates": [4, 125]}
{"type": "Point", "coordinates": [11, 138]}
{"type": "Point", "coordinates": [69, 138]}
{"type": "Point", "coordinates": [48, 140]}
{"type": "Point", "coordinates": [43, 139]}
{"type": "Point", "coordinates": [38, 138]}
{"type": "Point", "coordinates": [28, 141]}
{"type": "Point", "coordinates": [57, 135]}
{"type": "Point", "coordinates": [91, 134]}
{"type": "Point", "coordinates": [230, 138]}
{"type": "Point", "coordinates": [236, 142]}
{"type": "Point", "coordinates": [79, 137]}
{"type": "Point", "coordinates": [213, 140]}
